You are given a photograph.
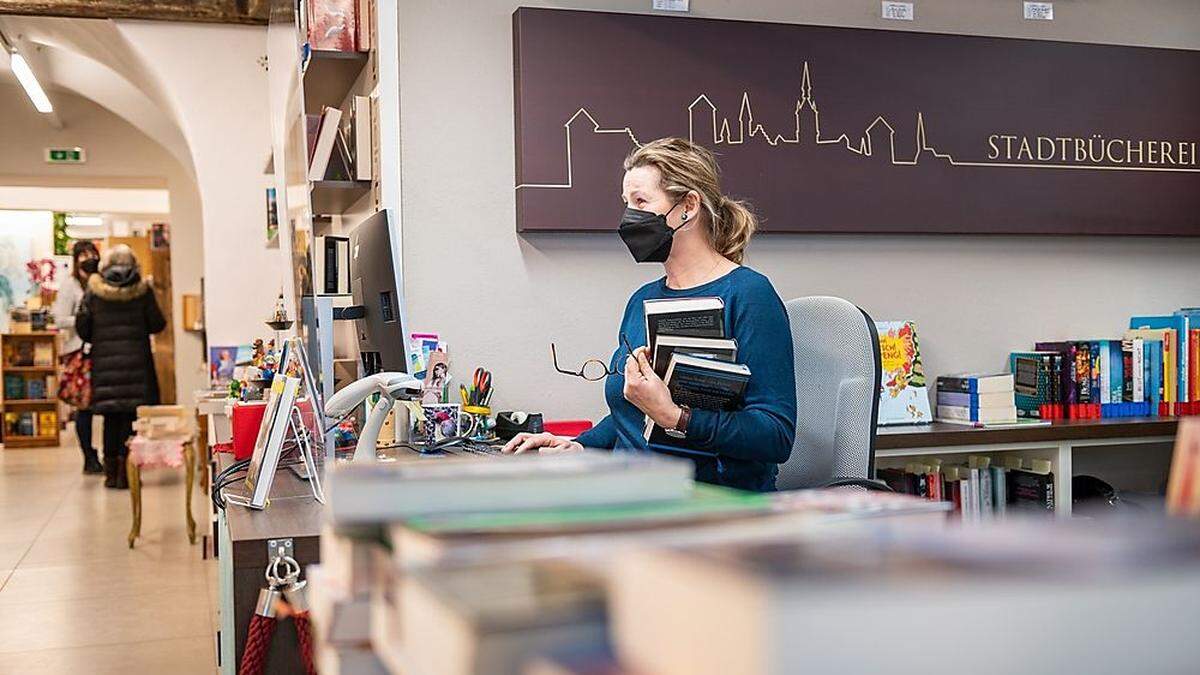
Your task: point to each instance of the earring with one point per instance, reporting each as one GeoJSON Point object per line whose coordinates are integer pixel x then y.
{"type": "Point", "coordinates": [683, 218]}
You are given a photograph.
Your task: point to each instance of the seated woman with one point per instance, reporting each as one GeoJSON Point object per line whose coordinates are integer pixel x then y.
{"type": "Point", "coordinates": [676, 215]}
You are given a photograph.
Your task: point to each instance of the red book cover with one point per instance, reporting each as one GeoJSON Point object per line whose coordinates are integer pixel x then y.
{"type": "Point", "coordinates": [332, 25]}
{"type": "Point", "coordinates": [1193, 366]}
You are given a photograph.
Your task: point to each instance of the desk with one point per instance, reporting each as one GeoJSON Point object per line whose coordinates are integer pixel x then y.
{"type": "Point", "coordinates": [1057, 443]}
{"type": "Point", "coordinates": [242, 559]}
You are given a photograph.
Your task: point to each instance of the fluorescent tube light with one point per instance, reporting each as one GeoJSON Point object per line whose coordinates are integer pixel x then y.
{"type": "Point", "coordinates": [84, 221]}
{"type": "Point", "coordinates": [32, 88]}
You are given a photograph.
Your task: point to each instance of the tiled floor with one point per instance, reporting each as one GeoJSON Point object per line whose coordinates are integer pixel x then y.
{"type": "Point", "coordinates": [73, 597]}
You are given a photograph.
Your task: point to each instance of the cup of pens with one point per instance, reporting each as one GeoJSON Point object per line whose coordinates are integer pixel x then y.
{"type": "Point", "coordinates": [476, 402]}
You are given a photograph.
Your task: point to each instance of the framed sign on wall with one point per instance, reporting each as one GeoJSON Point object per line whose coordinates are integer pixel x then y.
{"type": "Point", "coordinates": [859, 131]}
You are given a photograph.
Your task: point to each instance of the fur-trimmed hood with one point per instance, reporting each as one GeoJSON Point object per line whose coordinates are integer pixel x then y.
{"type": "Point", "coordinates": [131, 291]}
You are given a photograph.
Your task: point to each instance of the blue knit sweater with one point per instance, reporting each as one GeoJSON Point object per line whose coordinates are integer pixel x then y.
{"type": "Point", "coordinates": [749, 443]}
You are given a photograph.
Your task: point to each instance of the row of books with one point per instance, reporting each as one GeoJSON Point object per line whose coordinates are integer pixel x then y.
{"type": "Point", "coordinates": [337, 25]}
{"type": "Point", "coordinates": [18, 386]}
{"type": "Point", "coordinates": [1154, 369]}
{"type": "Point", "coordinates": [980, 489]}
{"type": "Point", "coordinates": [26, 353]}
{"type": "Point", "coordinates": [44, 423]}
{"type": "Point", "coordinates": [339, 145]}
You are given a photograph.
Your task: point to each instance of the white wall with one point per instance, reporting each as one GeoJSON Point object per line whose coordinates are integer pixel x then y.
{"type": "Point", "coordinates": [119, 156]}
{"type": "Point", "coordinates": [499, 299]}
{"type": "Point", "coordinates": [210, 76]}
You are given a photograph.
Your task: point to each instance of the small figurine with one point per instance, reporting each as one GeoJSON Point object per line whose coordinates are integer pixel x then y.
{"type": "Point", "coordinates": [258, 353]}
{"type": "Point", "coordinates": [268, 367]}
{"type": "Point", "coordinates": [279, 318]}
{"type": "Point", "coordinates": [235, 389]}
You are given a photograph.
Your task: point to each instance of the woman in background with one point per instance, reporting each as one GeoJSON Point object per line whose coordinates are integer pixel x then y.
{"type": "Point", "coordinates": [85, 261]}
{"type": "Point", "coordinates": [118, 315]}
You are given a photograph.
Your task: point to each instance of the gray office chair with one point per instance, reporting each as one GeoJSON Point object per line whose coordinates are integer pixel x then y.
{"type": "Point", "coordinates": [838, 370]}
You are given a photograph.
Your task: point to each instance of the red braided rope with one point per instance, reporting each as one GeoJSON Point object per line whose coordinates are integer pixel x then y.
{"type": "Point", "coordinates": [258, 641]}
{"type": "Point", "coordinates": [304, 634]}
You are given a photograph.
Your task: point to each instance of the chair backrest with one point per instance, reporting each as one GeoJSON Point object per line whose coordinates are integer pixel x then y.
{"type": "Point", "coordinates": [838, 369]}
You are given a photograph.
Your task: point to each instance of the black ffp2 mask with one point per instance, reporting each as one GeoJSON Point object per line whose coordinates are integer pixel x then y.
{"type": "Point", "coordinates": [647, 234]}
{"type": "Point", "coordinates": [89, 266]}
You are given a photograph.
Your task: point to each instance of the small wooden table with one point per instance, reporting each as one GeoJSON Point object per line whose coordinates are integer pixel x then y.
{"type": "Point", "coordinates": [133, 471]}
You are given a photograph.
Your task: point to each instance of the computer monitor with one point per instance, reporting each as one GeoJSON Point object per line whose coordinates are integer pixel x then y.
{"type": "Point", "coordinates": [378, 304]}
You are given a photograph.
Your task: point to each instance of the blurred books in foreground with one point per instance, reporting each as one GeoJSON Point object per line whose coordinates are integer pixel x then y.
{"type": "Point", "coordinates": [711, 580]}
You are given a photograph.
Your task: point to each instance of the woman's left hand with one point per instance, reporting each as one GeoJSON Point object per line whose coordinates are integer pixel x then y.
{"type": "Point", "coordinates": [646, 390]}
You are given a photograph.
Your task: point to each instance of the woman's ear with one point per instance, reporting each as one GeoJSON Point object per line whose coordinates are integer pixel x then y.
{"type": "Point", "coordinates": [692, 203]}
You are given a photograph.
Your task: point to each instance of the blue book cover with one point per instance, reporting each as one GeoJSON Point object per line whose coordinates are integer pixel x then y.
{"type": "Point", "coordinates": [1154, 377]}
{"type": "Point", "coordinates": [1180, 324]}
{"type": "Point", "coordinates": [1116, 373]}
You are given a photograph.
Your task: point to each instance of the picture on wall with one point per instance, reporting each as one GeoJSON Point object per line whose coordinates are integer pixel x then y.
{"type": "Point", "coordinates": [843, 130]}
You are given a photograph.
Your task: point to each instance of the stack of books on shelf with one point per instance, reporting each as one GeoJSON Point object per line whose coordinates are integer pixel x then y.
{"type": "Point", "coordinates": [337, 25]}
{"type": "Point", "coordinates": [981, 489]}
{"type": "Point", "coordinates": [505, 559]}
{"type": "Point", "coordinates": [18, 386]}
{"type": "Point", "coordinates": [1152, 370]}
{"type": "Point", "coordinates": [30, 424]}
{"type": "Point", "coordinates": [29, 353]}
{"type": "Point", "coordinates": [339, 144]}
{"type": "Point", "coordinates": [979, 400]}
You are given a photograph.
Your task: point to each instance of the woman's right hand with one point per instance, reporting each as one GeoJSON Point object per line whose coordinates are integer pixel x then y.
{"type": "Point", "coordinates": [544, 443]}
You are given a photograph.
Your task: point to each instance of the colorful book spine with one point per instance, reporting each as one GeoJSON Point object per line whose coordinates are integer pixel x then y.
{"type": "Point", "coordinates": [1116, 372]}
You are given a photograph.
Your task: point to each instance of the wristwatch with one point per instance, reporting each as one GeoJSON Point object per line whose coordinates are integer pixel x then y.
{"type": "Point", "coordinates": [680, 428]}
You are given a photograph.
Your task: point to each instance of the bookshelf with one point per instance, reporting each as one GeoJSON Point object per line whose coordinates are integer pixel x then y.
{"type": "Point", "coordinates": [1063, 444]}
{"type": "Point", "coordinates": [29, 371]}
{"type": "Point", "coordinates": [302, 82]}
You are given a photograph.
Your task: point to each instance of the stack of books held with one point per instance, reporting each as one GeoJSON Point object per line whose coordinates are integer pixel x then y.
{"type": "Point", "coordinates": [1152, 370]}
{"type": "Point", "coordinates": [506, 559]}
{"type": "Point", "coordinates": [690, 351]}
{"type": "Point", "coordinates": [982, 489]}
{"type": "Point", "coordinates": [980, 400]}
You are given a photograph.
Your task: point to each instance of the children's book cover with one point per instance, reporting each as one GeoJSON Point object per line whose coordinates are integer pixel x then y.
{"type": "Point", "coordinates": [903, 391]}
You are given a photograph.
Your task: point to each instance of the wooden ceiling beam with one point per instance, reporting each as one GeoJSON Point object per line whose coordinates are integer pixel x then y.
{"type": "Point", "coordinates": [252, 12]}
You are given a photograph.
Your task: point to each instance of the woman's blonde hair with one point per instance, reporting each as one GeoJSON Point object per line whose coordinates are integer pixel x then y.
{"type": "Point", "coordinates": [687, 166]}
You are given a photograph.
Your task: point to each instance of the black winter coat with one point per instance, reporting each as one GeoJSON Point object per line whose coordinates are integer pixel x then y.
{"type": "Point", "coordinates": [117, 320]}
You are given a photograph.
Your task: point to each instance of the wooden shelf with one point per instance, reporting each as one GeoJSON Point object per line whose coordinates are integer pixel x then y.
{"type": "Point", "coordinates": [14, 441]}
{"type": "Point", "coordinates": [335, 196]}
{"type": "Point", "coordinates": [940, 434]}
{"type": "Point", "coordinates": [329, 76]}
{"type": "Point", "coordinates": [30, 369]}
{"type": "Point", "coordinates": [29, 401]}
{"type": "Point", "coordinates": [34, 334]}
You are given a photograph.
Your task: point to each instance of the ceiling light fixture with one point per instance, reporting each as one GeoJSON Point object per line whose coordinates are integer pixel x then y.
{"type": "Point", "coordinates": [33, 88]}
{"type": "Point", "coordinates": [20, 68]}
{"type": "Point", "coordinates": [84, 221]}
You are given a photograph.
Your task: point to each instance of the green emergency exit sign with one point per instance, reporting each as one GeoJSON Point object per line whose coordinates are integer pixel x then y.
{"type": "Point", "coordinates": [65, 155]}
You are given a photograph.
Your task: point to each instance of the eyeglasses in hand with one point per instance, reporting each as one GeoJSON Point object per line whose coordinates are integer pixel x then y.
{"type": "Point", "coordinates": [592, 370]}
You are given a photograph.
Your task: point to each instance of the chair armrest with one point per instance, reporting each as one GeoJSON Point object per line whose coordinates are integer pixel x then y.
{"type": "Point", "coordinates": [869, 484]}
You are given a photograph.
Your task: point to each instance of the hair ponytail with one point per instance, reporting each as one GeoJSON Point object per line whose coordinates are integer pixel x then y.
{"type": "Point", "coordinates": [732, 229]}
{"type": "Point", "coordinates": [686, 166]}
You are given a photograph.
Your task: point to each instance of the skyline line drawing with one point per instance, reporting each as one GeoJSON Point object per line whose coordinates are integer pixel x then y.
{"type": "Point", "coordinates": [806, 106]}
